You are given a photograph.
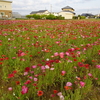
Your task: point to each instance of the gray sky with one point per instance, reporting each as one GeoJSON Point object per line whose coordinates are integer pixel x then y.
{"type": "Point", "coordinates": [25, 7]}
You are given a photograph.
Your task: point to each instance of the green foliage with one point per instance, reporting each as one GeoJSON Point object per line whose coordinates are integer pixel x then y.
{"type": "Point", "coordinates": [79, 17]}
{"type": "Point", "coordinates": [29, 16]}
{"type": "Point", "coordinates": [50, 16]}
{"type": "Point", "coordinates": [60, 17]}
{"type": "Point", "coordinates": [35, 16]}
{"type": "Point", "coordinates": [82, 17]}
{"type": "Point", "coordinates": [75, 17]}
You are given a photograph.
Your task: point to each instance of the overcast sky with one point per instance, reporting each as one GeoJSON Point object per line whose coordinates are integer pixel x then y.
{"type": "Point", "coordinates": [25, 7]}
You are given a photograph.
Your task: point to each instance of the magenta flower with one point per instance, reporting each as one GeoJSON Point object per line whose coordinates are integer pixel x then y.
{"type": "Point", "coordinates": [34, 66]}
{"type": "Point", "coordinates": [82, 84]}
{"type": "Point", "coordinates": [97, 66]}
{"type": "Point", "coordinates": [24, 90]}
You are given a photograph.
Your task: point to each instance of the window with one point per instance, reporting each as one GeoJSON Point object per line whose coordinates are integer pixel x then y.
{"type": "Point", "coordinates": [2, 13]}
{"type": "Point", "coordinates": [0, 6]}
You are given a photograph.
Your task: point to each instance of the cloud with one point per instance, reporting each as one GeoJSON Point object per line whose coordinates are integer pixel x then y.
{"type": "Point", "coordinates": [26, 6]}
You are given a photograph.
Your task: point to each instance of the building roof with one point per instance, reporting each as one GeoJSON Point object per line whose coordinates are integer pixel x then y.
{"type": "Point", "coordinates": [5, 1]}
{"type": "Point", "coordinates": [87, 14]}
{"type": "Point", "coordinates": [40, 11]}
{"type": "Point", "coordinates": [34, 12]}
{"type": "Point", "coordinates": [68, 11]}
{"type": "Point", "coordinates": [67, 7]}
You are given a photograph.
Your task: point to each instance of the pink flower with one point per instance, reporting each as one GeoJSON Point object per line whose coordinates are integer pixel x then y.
{"type": "Point", "coordinates": [67, 53]}
{"type": "Point", "coordinates": [60, 95]}
{"type": "Point", "coordinates": [63, 73]}
{"type": "Point", "coordinates": [22, 54]}
{"type": "Point", "coordinates": [61, 55]}
{"type": "Point", "coordinates": [97, 66]}
{"type": "Point", "coordinates": [35, 79]}
{"type": "Point", "coordinates": [25, 73]}
{"type": "Point", "coordinates": [14, 47]}
{"type": "Point", "coordinates": [13, 57]}
{"type": "Point", "coordinates": [52, 68]}
{"type": "Point", "coordinates": [56, 54]}
{"type": "Point", "coordinates": [34, 66]}
{"type": "Point", "coordinates": [82, 84]}
{"type": "Point", "coordinates": [31, 77]}
{"type": "Point", "coordinates": [68, 84]}
{"type": "Point", "coordinates": [89, 74]}
{"type": "Point", "coordinates": [43, 67]}
{"type": "Point", "coordinates": [10, 88]}
{"type": "Point", "coordinates": [24, 90]}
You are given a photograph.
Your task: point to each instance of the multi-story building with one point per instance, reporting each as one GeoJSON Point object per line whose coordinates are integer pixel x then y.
{"type": "Point", "coordinates": [67, 12]}
{"type": "Point", "coordinates": [5, 9]}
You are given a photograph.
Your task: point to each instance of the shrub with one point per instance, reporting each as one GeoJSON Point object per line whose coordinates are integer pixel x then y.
{"type": "Point", "coordinates": [60, 17]}
{"type": "Point", "coordinates": [82, 17]}
{"type": "Point", "coordinates": [50, 16]}
{"type": "Point", "coordinates": [29, 16]}
{"type": "Point", "coordinates": [75, 17]}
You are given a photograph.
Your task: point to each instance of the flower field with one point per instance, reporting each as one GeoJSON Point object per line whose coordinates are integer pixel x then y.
{"type": "Point", "coordinates": [49, 59]}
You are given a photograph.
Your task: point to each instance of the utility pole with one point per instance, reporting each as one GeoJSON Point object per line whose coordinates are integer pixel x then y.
{"type": "Point", "coordinates": [51, 8]}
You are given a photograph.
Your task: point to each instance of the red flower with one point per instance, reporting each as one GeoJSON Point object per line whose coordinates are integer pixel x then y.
{"type": "Point", "coordinates": [1, 63]}
{"type": "Point", "coordinates": [67, 87]}
{"type": "Point", "coordinates": [80, 64]}
{"type": "Point", "coordinates": [17, 82]}
{"type": "Point", "coordinates": [40, 93]}
{"type": "Point", "coordinates": [27, 82]}
{"type": "Point", "coordinates": [27, 69]}
{"type": "Point", "coordinates": [55, 91]}
{"type": "Point", "coordinates": [30, 55]}
{"type": "Point", "coordinates": [14, 72]}
{"type": "Point", "coordinates": [75, 59]}
{"type": "Point", "coordinates": [1, 59]}
{"type": "Point", "coordinates": [10, 75]}
{"type": "Point", "coordinates": [86, 66]}
{"type": "Point", "coordinates": [34, 84]}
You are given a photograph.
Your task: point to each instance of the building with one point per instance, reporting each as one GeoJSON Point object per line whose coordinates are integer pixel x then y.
{"type": "Point", "coordinates": [5, 9]}
{"type": "Point", "coordinates": [67, 12]}
{"type": "Point", "coordinates": [40, 12]}
{"type": "Point", "coordinates": [16, 15]}
{"type": "Point", "coordinates": [88, 15]}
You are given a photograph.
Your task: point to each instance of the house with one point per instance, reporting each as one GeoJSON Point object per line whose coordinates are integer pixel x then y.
{"type": "Point", "coordinates": [40, 12]}
{"type": "Point", "coordinates": [88, 15]}
{"type": "Point", "coordinates": [67, 12]}
{"type": "Point", "coordinates": [5, 9]}
{"type": "Point", "coordinates": [97, 16]}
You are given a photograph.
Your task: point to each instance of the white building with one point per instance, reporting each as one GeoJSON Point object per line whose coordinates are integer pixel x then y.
{"type": "Point", "coordinates": [67, 12]}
